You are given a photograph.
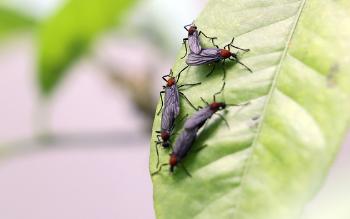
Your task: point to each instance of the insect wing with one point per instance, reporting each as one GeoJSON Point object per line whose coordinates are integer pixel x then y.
{"type": "Point", "coordinates": [171, 108]}
{"type": "Point", "coordinates": [211, 52]}
{"type": "Point", "coordinates": [168, 119]}
{"type": "Point", "coordinates": [184, 143]}
{"type": "Point", "coordinates": [194, 43]}
{"type": "Point", "coordinates": [198, 119]}
{"type": "Point", "coordinates": [172, 99]}
{"type": "Point", "coordinates": [206, 56]}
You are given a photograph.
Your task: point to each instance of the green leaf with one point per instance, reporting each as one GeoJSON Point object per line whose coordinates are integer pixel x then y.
{"type": "Point", "coordinates": [67, 34]}
{"type": "Point", "coordinates": [271, 167]}
{"type": "Point", "coordinates": [11, 21]}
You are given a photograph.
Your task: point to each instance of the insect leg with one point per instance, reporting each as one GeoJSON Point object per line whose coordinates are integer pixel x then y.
{"type": "Point", "coordinates": [183, 118]}
{"type": "Point", "coordinates": [187, 100]}
{"type": "Point", "coordinates": [220, 91]}
{"type": "Point", "coordinates": [161, 98]}
{"type": "Point", "coordinates": [179, 74]}
{"type": "Point", "coordinates": [159, 169]}
{"type": "Point", "coordinates": [224, 70]}
{"type": "Point", "coordinates": [184, 42]}
{"type": "Point", "coordinates": [223, 119]}
{"type": "Point", "coordinates": [204, 101]}
{"type": "Point", "coordinates": [186, 171]}
{"type": "Point", "coordinates": [157, 142]}
{"type": "Point", "coordinates": [187, 26]}
{"type": "Point", "coordinates": [236, 60]}
{"type": "Point", "coordinates": [196, 150]}
{"type": "Point", "coordinates": [212, 70]}
{"type": "Point", "coordinates": [164, 77]}
{"type": "Point", "coordinates": [211, 38]}
{"type": "Point", "coordinates": [230, 44]}
{"type": "Point", "coordinates": [182, 85]}
{"type": "Point", "coordinates": [245, 50]}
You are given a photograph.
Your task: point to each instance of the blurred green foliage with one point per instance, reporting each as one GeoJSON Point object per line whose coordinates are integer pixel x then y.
{"type": "Point", "coordinates": [67, 34]}
{"type": "Point", "coordinates": [11, 21]}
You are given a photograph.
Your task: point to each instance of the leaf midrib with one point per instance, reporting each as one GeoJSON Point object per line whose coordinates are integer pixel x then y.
{"type": "Point", "coordinates": [247, 164]}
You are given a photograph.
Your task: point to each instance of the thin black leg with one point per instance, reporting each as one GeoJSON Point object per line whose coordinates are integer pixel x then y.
{"type": "Point", "coordinates": [224, 70]}
{"type": "Point", "coordinates": [187, 26]}
{"type": "Point", "coordinates": [184, 42]}
{"type": "Point", "coordinates": [245, 50]}
{"type": "Point", "coordinates": [204, 101]}
{"type": "Point", "coordinates": [187, 100]}
{"type": "Point", "coordinates": [161, 99]}
{"type": "Point", "coordinates": [182, 85]}
{"type": "Point", "coordinates": [236, 60]}
{"type": "Point", "coordinates": [157, 142]}
{"type": "Point", "coordinates": [186, 171]}
{"type": "Point", "coordinates": [212, 70]}
{"type": "Point", "coordinates": [196, 150]}
{"type": "Point", "coordinates": [220, 91]}
{"type": "Point", "coordinates": [223, 119]}
{"type": "Point", "coordinates": [159, 169]}
{"type": "Point", "coordinates": [233, 39]}
{"type": "Point", "coordinates": [211, 38]}
{"type": "Point", "coordinates": [179, 74]}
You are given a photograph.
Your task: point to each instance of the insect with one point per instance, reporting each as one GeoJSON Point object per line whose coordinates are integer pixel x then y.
{"type": "Point", "coordinates": [171, 108]}
{"type": "Point", "coordinates": [182, 146]}
{"type": "Point", "coordinates": [198, 119]}
{"type": "Point", "coordinates": [193, 39]}
{"type": "Point", "coordinates": [215, 55]}
{"type": "Point", "coordinates": [187, 137]}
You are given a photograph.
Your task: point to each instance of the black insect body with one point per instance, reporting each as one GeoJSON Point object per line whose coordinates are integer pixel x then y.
{"type": "Point", "coordinates": [194, 40]}
{"type": "Point", "coordinates": [215, 55]}
{"type": "Point", "coordinates": [182, 146]}
{"type": "Point", "coordinates": [186, 139]}
{"type": "Point", "coordinates": [171, 108]}
{"type": "Point", "coordinates": [198, 119]}
{"type": "Point", "coordinates": [188, 136]}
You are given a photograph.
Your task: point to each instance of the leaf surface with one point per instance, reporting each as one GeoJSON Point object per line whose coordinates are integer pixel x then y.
{"type": "Point", "coordinates": [279, 148]}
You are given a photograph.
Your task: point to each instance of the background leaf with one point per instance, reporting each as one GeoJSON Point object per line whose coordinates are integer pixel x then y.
{"type": "Point", "coordinates": [67, 34]}
{"type": "Point", "coordinates": [11, 20]}
{"type": "Point", "coordinates": [270, 167]}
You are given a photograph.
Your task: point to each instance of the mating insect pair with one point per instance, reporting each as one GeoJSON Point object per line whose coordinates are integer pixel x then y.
{"type": "Point", "coordinates": [187, 137]}
{"type": "Point", "coordinates": [201, 56]}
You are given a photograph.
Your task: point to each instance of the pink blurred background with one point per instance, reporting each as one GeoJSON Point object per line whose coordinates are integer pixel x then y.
{"type": "Point", "coordinates": [84, 152]}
